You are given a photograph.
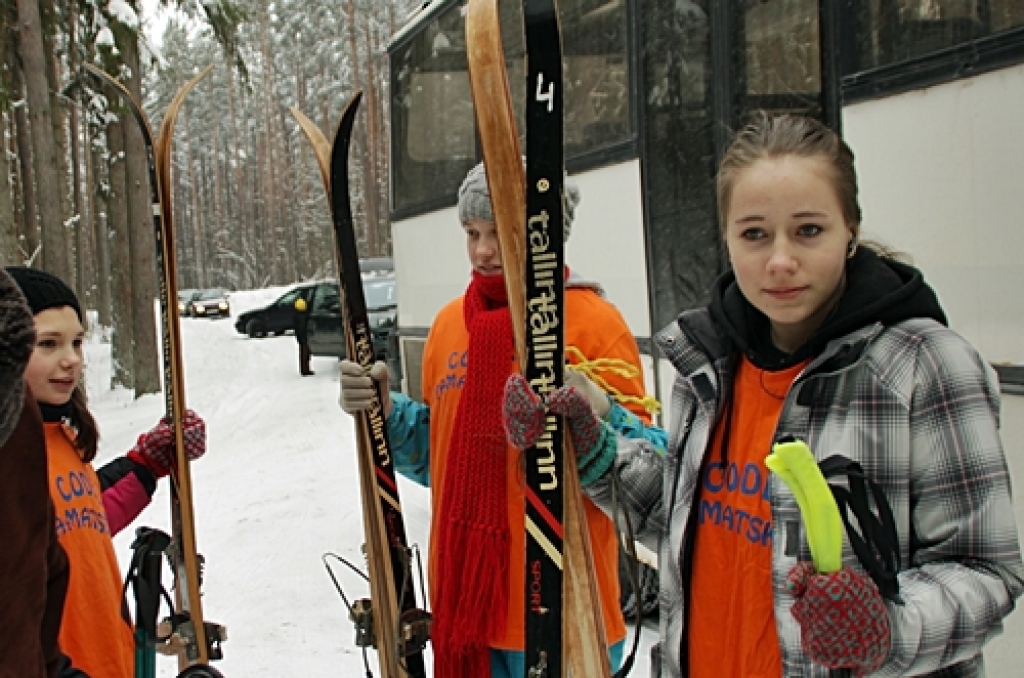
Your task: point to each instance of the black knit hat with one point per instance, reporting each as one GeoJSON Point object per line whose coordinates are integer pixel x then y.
{"type": "Point", "coordinates": [44, 290]}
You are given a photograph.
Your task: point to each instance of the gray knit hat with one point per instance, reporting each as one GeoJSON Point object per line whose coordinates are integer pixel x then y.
{"type": "Point", "coordinates": [475, 199]}
{"type": "Point", "coordinates": [17, 340]}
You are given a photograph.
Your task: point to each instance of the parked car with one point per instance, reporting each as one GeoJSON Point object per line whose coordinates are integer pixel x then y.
{"type": "Point", "coordinates": [210, 303]}
{"type": "Point", "coordinates": [326, 336]}
{"type": "Point", "coordinates": [377, 266]}
{"type": "Point", "coordinates": [277, 317]}
{"type": "Point", "coordinates": [185, 298]}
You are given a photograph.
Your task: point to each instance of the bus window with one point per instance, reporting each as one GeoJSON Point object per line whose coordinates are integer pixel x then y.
{"type": "Point", "coordinates": [433, 128]}
{"type": "Point", "coordinates": [904, 29]}
{"type": "Point", "coordinates": [782, 66]}
{"type": "Point", "coordinates": [1005, 14]}
{"type": "Point", "coordinates": [772, 62]}
{"type": "Point", "coordinates": [597, 79]}
{"type": "Point", "coordinates": [595, 76]}
{"type": "Point", "coordinates": [782, 52]}
{"type": "Point", "coordinates": [433, 133]}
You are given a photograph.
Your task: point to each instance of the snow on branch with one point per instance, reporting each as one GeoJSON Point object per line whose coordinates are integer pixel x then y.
{"type": "Point", "coordinates": [121, 11]}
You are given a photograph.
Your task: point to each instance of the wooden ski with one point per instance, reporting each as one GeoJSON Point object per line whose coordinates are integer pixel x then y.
{"type": "Point", "coordinates": [398, 629]}
{"type": "Point", "coordinates": [564, 622]}
{"type": "Point", "coordinates": [201, 639]}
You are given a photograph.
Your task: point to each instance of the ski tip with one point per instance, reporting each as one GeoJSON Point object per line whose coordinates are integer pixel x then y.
{"type": "Point", "coordinates": [342, 135]}
{"type": "Point", "coordinates": [352, 106]}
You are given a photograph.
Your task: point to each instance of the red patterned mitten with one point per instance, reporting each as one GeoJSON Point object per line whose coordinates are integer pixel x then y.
{"type": "Point", "coordinates": [155, 448]}
{"type": "Point", "coordinates": [842, 617]}
{"type": "Point", "coordinates": [523, 413]}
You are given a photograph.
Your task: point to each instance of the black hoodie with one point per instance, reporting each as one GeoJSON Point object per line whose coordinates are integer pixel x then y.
{"type": "Point", "coordinates": [878, 290]}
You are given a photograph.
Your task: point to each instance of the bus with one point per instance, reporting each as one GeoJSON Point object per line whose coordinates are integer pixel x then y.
{"type": "Point", "coordinates": [928, 93]}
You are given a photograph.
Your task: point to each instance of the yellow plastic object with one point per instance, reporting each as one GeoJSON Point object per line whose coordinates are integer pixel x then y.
{"type": "Point", "coordinates": [794, 463]}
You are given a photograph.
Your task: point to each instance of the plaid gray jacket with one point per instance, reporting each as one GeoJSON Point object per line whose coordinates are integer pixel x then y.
{"type": "Point", "coordinates": [917, 406]}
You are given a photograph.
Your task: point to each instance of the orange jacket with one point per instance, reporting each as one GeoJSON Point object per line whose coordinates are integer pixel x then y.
{"type": "Point", "coordinates": [93, 632]}
{"type": "Point", "coordinates": [597, 329]}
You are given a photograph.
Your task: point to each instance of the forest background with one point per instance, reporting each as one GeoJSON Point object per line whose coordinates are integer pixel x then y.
{"type": "Point", "coordinates": [249, 205]}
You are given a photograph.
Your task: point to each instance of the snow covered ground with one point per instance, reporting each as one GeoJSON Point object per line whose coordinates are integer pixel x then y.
{"type": "Point", "coordinates": [278, 489]}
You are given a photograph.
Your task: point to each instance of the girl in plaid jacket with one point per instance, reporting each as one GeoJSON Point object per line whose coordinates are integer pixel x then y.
{"type": "Point", "coordinates": [841, 346]}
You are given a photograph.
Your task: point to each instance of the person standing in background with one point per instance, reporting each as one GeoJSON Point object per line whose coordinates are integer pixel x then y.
{"type": "Point", "coordinates": [302, 335]}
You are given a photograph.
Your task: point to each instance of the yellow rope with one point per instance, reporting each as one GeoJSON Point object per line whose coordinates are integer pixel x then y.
{"type": "Point", "coordinates": [616, 366]}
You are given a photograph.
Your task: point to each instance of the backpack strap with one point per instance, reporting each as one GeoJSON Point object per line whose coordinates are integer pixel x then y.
{"type": "Point", "coordinates": [874, 539]}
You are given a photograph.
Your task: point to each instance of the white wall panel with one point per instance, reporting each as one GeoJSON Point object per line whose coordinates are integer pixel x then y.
{"type": "Point", "coordinates": [941, 178]}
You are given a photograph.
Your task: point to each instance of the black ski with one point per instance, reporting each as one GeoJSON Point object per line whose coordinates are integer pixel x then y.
{"type": "Point", "coordinates": [564, 626]}
{"type": "Point", "coordinates": [545, 310]}
{"type": "Point", "coordinates": [201, 639]}
{"type": "Point", "coordinates": [583, 647]}
{"type": "Point", "coordinates": [401, 628]}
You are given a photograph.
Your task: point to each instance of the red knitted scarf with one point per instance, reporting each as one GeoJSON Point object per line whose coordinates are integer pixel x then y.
{"type": "Point", "coordinates": [471, 587]}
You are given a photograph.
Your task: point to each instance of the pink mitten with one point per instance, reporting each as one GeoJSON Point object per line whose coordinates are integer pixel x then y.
{"type": "Point", "coordinates": [155, 448]}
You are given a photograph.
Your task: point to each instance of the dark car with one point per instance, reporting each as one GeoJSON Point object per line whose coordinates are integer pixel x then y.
{"type": "Point", "coordinates": [185, 298]}
{"type": "Point", "coordinates": [326, 337]}
{"type": "Point", "coordinates": [212, 303]}
{"type": "Point", "coordinates": [275, 318]}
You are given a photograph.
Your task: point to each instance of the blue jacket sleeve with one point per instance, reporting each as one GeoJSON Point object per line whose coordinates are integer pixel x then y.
{"type": "Point", "coordinates": [630, 426]}
{"type": "Point", "coordinates": [409, 433]}
{"type": "Point", "coordinates": [618, 423]}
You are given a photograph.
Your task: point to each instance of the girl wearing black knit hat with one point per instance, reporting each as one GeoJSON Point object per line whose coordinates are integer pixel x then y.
{"type": "Point", "coordinates": [33, 567]}
{"type": "Point", "coordinates": [91, 506]}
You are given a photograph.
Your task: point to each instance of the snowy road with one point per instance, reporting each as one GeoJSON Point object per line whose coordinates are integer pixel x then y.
{"type": "Point", "coordinates": [278, 489]}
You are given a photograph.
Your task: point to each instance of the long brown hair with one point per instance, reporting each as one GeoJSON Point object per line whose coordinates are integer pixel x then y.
{"type": "Point", "coordinates": [81, 418]}
{"type": "Point", "coordinates": [774, 136]}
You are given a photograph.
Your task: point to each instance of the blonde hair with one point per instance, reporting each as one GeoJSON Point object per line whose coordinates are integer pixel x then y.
{"type": "Point", "coordinates": [774, 136]}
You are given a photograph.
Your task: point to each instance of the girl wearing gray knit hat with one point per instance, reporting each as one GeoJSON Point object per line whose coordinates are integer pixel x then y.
{"type": "Point", "coordinates": [477, 218]}
{"type": "Point", "coordinates": [475, 199]}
